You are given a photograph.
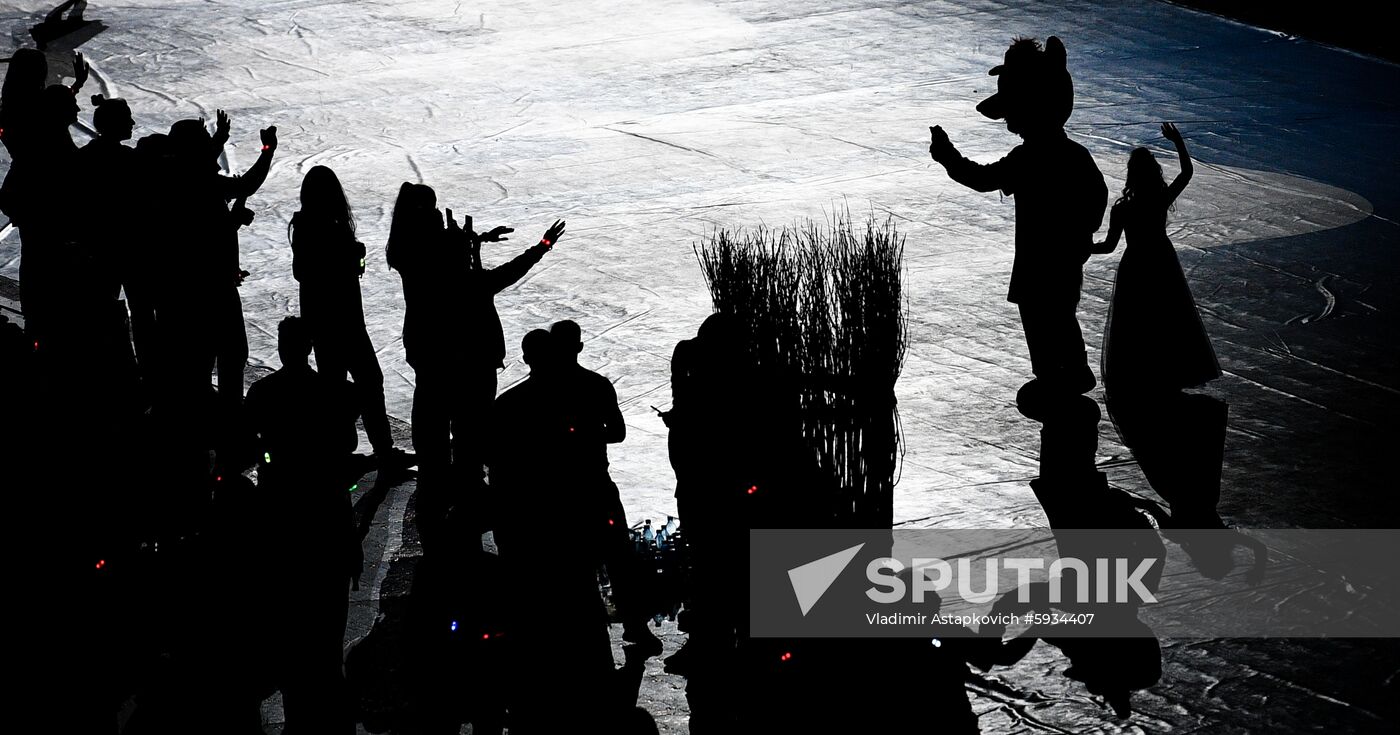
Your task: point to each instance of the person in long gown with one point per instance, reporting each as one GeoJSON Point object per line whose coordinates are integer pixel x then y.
{"type": "Point", "coordinates": [1155, 347]}
{"type": "Point", "coordinates": [1155, 341]}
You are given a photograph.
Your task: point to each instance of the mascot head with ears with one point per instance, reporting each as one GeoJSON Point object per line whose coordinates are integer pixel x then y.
{"type": "Point", "coordinates": [1034, 91]}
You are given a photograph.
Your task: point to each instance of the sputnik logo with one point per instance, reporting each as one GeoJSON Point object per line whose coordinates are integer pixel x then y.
{"type": "Point", "coordinates": [811, 580]}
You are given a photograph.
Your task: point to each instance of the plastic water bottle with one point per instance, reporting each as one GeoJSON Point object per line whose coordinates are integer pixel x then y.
{"type": "Point", "coordinates": [648, 535]}
{"type": "Point", "coordinates": [671, 525]}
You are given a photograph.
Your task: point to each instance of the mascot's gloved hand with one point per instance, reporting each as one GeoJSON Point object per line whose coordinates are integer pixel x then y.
{"type": "Point", "coordinates": [939, 146]}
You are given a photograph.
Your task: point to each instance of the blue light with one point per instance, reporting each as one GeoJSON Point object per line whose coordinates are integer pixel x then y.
{"type": "Point", "coordinates": [454, 626]}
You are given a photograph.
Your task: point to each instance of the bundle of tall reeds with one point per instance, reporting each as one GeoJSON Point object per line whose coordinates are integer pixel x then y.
{"type": "Point", "coordinates": [826, 325]}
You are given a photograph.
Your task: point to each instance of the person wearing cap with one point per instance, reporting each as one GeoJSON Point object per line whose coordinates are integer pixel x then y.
{"type": "Point", "coordinates": [1060, 198]}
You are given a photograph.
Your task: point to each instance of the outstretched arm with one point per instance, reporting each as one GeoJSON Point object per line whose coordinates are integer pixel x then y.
{"type": "Point", "coordinates": [1115, 231]}
{"type": "Point", "coordinates": [81, 69]}
{"type": "Point", "coordinates": [1170, 132]}
{"type": "Point", "coordinates": [973, 175]}
{"type": "Point", "coordinates": [501, 277]}
{"type": "Point", "coordinates": [246, 185]}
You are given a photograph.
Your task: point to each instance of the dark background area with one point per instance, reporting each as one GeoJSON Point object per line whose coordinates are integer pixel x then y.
{"type": "Point", "coordinates": [1350, 25]}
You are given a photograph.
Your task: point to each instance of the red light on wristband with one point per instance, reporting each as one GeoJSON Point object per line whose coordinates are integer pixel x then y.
{"type": "Point", "coordinates": [267, 147]}
{"type": "Point", "coordinates": [545, 241]}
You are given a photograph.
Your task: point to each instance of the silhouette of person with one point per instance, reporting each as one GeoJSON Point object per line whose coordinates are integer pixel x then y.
{"type": "Point", "coordinates": [718, 450]}
{"type": "Point", "coordinates": [19, 100]}
{"type": "Point", "coordinates": [154, 264]}
{"type": "Point", "coordinates": [1155, 346]}
{"type": "Point", "coordinates": [1154, 341]}
{"type": "Point", "coordinates": [31, 196]}
{"type": "Point", "coordinates": [20, 105]}
{"type": "Point", "coordinates": [1060, 199]}
{"type": "Point", "coordinates": [328, 262]}
{"type": "Point", "coordinates": [453, 340]}
{"type": "Point", "coordinates": [119, 178]}
{"type": "Point", "coordinates": [589, 402]}
{"type": "Point", "coordinates": [532, 479]}
{"type": "Point", "coordinates": [109, 170]}
{"type": "Point", "coordinates": [201, 312]}
{"type": "Point", "coordinates": [525, 422]}
{"type": "Point", "coordinates": [305, 423]}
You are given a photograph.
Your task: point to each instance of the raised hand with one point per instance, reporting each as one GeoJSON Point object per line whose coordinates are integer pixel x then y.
{"type": "Point", "coordinates": [269, 138]}
{"type": "Point", "coordinates": [552, 235]}
{"type": "Point", "coordinates": [1170, 132]}
{"type": "Point", "coordinates": [497, 234]}
{"type": "Point", "coordinates": [80, 71]}
{"type": "Point", "coordinates": [939, 146]}
{"type": "Point", "coordinates": [222, 126]}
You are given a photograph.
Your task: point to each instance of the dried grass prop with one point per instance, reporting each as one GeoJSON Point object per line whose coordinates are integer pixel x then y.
{"type": "Point", "coordinates": [826, 318]}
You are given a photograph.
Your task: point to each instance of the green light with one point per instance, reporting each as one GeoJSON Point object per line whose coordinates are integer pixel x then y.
{"type": "Point", "coordinates": [354, 487]}
{"type": "Point", "coordinates": [362, 262]}
{"type": "Point", "coordinates": [267, 458]}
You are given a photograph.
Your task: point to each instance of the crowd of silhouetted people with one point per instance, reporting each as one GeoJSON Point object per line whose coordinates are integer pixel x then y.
{"type": "Point", "coordinates": [172, 580]}
{"type": "Point", "coordinates": [130, 278]}
{"type": "Point", "coordinates": [130, 301]}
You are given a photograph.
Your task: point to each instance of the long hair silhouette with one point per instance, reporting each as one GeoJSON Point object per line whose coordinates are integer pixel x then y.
{"type": "Point", "coordinates": [413, 218]}
{"type": "Point", "coordinates": [1145, 181]}
{"type": "Point", "coordinates": [25, 77]}
{"type": "Point", "coordinates": [323, 199]}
